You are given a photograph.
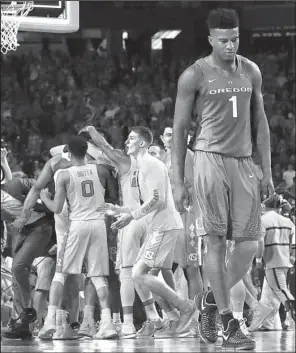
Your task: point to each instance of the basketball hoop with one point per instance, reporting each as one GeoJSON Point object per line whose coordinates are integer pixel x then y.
{"type": "Point", "coordinates": [11, 17]}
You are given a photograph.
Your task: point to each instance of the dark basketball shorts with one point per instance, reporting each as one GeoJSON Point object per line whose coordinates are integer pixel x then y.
{"type": "Point", "coordinates": [228, 193]}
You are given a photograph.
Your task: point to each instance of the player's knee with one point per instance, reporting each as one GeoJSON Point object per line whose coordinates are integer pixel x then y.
{"type": "Point", "coordinates": [99, 282]}
{"type": "Point", "coordinates": [125, 274]}
{"type": "Point", "coordinates": [216, 243]}
{"type": "Point", "coordinates": [59, 277]}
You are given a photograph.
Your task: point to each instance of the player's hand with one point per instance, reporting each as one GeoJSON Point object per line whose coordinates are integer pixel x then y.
{"type": "Point", "coordinates": [4, 154]}
{"type": "Point", "coordinates": [53, 250]}
{"type": "Point", "coordinates": [122, 221]}
{"type": "Point", "coordinates": [181, 197]}
{"type": "Point", "coordinates": [267, 188]}
{"type": "Point", "coordinates": [44, 194]}
{"type": "Point", "coordinates": [87, 129]}
{"type": "Point", "coordinates": [109, 209]}
{"type": "Point", "coordinates": [19, 223]}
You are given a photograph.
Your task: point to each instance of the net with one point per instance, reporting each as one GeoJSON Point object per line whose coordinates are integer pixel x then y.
{"type": "Point", "coordinates": [11, 17]}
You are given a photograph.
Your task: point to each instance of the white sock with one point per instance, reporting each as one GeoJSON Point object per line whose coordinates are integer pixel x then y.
{"type": "Point", "coordinates": [51, 311]}
{"type": "Point", "coordinates": [106, 315]}
{"type": "Point", "coordinates": [238, 316]}
{"type": "Point", "coordinates": [128, 319]}
{"type": "Point", "coordinates": [59, 314]}
{"type": "Point", "coordinates": [64, 317]}
{"type": "Point", "coordinates": [173, 315]}
{"type": "Point", "coordinates": [88, 312]}
{"type": "Point", "coordinates": [116, 318]}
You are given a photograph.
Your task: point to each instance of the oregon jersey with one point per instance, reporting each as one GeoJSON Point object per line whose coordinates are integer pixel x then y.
{"type": "Point", "coordinates": [223, 108]}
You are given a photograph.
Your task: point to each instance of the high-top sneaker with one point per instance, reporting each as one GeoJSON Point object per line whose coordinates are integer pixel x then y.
{"type": "Point", "coordinates": [107, 330]}
{"type": "Point", "coordinates": [128, 331]}
{"type": "Point", "coordinates": [48, 328]}
{"type": "Point", "coordinates": [260, 313]}
{"type": "Point", "coordinates": [234, 338]}
{"type": "Point", "coordinates": [207, 327]}
{"type": "Point", "coordinates": [20, 328]}
{"type": "Point", "coordinates": [87, 328]}
{"type": "Point", "coordinates": [63, 329]}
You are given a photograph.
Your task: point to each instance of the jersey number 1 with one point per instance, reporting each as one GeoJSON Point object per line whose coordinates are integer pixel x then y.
{"type": "Point", "coordinates": [87, 187]}
{"type": "Point", "coordinates": [233, 99]}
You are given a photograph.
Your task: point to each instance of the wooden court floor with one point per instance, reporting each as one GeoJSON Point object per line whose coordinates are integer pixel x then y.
{"type": "Point", "coordinates": [275, 341]}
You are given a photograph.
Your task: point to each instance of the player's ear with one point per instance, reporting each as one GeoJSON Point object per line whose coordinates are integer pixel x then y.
{"type": "Point", "coordinates": [210, 39]}
{"type": "Point", "coordinates": [142, 144]}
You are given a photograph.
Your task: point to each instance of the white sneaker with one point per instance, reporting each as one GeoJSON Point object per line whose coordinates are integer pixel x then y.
{"type": "Point", "coordinates": [244, 328]}
{"type": "Point", "coordinates": [106, 331]}
{"type": "Point", "coordinates": [118, 326]}
{"type": "Point", "coordinates": [87, 329]}
{"type": "Point", "coordinates": [128, 331]}
{"type": "Point", "coordinates": [65, 332]}
{"type": "Point", "coordinates": [260, 313]}
{"type": "Point", "coordinates": [48, 328]}
{"type": "Point", "coordinates": [186, 317]}
{"type": "Point", "coordinates": [147, 330]}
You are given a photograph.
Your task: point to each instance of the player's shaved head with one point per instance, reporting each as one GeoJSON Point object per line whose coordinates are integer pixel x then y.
{"type": "Point", "coordinates": [221, 18]}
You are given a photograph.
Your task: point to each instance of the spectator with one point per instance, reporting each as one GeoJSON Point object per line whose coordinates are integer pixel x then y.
{"type": "Point", "coordinates": [289, 175]}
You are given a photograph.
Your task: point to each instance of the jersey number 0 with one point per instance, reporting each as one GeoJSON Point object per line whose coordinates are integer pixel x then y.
{"type": "Point", "coordinates": [87, 188]}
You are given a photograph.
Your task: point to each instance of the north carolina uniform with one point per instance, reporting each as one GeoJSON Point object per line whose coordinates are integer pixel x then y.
{"type": "Point", "coordinates": [87, 237]}
{"type": "Point", "coordinates": [279, 236]}
{"type": "Point", "coordinates": [162, 233]}
{"type": "Point", "coordinates": [188, 247]}
{"type": "Point", "coordinates": [131, 237]}
{"type": "Point", "coordinates": [226, 180]}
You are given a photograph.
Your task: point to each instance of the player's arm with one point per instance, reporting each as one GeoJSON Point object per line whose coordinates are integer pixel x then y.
{"type": "Point", "coordinates": [110, 184]}
{"type": "Point", "coordinates": [117, 157]}
{"type": "Point", "coordinates": [186, 95]}
{"type": "Point", "coordinates": [157, 191]}
{"type": "Point", "coordinates": [259, 123]}
{"type": "Point", "coordinates": [56, 205]}
{"type": "Point", "coordinates": [7, 175]}
{"type": "Point", "coordinates": [44, 178]}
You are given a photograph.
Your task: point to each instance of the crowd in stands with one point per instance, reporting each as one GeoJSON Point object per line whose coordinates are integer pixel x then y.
{"type": "Point", "coordinates": [46, 98]}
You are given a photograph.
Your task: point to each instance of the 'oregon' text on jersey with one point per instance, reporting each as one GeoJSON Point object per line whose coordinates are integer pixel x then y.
{"type": "Point", "coordinates": [223, 108]}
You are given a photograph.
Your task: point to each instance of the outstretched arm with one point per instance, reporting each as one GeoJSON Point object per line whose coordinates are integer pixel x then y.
{"type": "Point", "coordinates": [7, 175]}
{"type": "Point", "coordinates": [118, 158]}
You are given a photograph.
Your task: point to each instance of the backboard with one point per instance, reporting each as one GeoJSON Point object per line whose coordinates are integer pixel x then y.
{"type": "Point", "coordinates": [50, 16]}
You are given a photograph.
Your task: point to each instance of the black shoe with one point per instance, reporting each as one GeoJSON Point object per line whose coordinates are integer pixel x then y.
{"type": "Point", "coordinates": [234, 338]}
{"type": "Point", "coordinates": [75, 326]}
{"type": "Point", "coordinates": [17, 331]}
{"type": "Point", "coordinates": [28, 315]}
{"type": "Point", "coordinates": [11, 323]}
{"type": "Point", "coordinates": [208, 312]}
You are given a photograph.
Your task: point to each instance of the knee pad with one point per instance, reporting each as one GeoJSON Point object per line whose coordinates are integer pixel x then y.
{"type": "Point", "coordinates": [99, 282]}
{"type": "Point", "coordinates": [59, 277]}
{"type": "Point", "coordinates": [125, 274]}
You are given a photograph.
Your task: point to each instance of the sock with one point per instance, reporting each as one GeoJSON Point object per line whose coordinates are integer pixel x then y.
{"type": "Point", "coordinates": [252, 302]}
{"type": "Point", "coordinates": [106, 315]}
{"type": "Point", "coordinates": [238, 316]}
{"type": "Point", "coordinates": [226, 316]}
{"type": "Point", "coordinates": [59, 314]}
{"type": "Point", "coordinates": [88, 312]}
{"type": "Point", "coordinates": [51, 311]}
{"type": "Point", "coordinates": [173, 315]}
{"type": "Point", "coordinates": [116, 318]}
{"type": "Point", "coordinates": [64, 317]}
{"type": "Point", "coordinates": [128, 319]}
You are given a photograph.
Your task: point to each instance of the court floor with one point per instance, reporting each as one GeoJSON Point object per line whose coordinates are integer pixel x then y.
{"type": "Point", "coordinates": [275, 341]}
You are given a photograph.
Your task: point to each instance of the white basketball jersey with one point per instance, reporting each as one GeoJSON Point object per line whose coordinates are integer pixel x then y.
{"type": "Point", "coordinates": [129, 187]}
{"type": "Point", "coordinates": [85, 193]}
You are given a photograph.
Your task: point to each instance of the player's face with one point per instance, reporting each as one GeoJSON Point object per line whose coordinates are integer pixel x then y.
{"type": "Point", "coordinates": [133, 143]}
{"type": "Point", "coordinates": [156, 151]}
{"type": "Point", "coordinates": [167, 137]}
{"type": "Point", "coordinates": [225, 42]}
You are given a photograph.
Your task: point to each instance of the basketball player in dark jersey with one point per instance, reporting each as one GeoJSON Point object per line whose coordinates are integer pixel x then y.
{"type": "Point", "coordinates": [225, 88]}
